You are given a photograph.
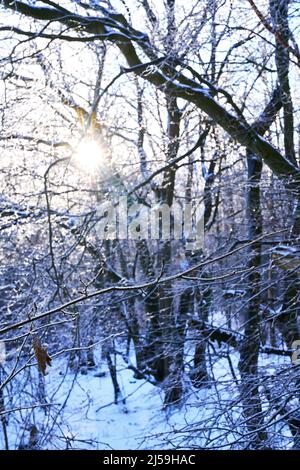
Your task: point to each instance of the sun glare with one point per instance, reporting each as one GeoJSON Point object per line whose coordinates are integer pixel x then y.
{"type": "Point", "coordinates": [89, 155]}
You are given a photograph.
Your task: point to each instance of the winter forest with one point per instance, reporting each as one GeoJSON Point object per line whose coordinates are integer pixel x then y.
{"type": "Point", "coordinates": [149, 224]}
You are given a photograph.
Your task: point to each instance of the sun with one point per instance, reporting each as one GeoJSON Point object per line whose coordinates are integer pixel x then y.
{"type": "Point", "coordinates": [89, 155]}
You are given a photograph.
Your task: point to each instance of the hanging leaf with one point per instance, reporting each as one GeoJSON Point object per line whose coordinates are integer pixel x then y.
{"type": "Point", "coordinates": [41, 355]}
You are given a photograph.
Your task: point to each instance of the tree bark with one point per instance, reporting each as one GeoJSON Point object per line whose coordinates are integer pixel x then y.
{"type": "Point", "coordinates": [249, 350]}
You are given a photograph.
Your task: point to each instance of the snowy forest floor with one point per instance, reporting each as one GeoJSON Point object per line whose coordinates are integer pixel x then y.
{"type": "Point", "coordinates": [82, 413]}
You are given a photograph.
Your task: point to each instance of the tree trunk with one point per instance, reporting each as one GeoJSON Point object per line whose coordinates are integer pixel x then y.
{"type": "Point", "coordinates": [249, 350]}
{"type": "Point", "coordinates": [198, 374]}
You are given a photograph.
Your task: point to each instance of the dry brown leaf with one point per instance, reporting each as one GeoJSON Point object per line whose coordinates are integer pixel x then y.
{"type": "Point", "coordinates": [41, 355]}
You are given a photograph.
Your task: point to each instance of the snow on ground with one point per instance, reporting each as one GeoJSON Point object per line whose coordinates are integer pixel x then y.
{"type": "Point", "coordinates": [85, 416]}
{"type": "Point", "coordinates": [91, 413]}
